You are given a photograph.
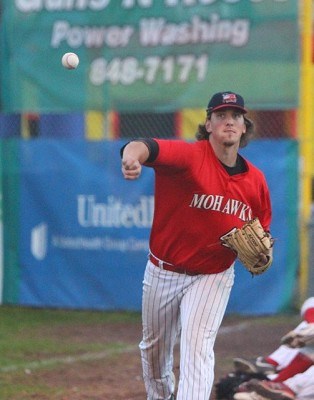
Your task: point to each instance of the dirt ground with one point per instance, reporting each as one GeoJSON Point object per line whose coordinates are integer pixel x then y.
{"type": "Point", "coordinates": [118, 376]}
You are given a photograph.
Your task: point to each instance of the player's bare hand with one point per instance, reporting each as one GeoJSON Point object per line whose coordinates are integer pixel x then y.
{"type": "Point", "coordinates": [131, 168]}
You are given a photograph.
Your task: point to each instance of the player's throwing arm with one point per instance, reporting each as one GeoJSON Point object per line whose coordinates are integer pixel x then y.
{"type": "Point", "coordinates": [134, 155]}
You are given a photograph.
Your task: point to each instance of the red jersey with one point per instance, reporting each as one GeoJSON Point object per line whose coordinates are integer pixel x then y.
{"type": "Point", "coordinates": [197, 202]}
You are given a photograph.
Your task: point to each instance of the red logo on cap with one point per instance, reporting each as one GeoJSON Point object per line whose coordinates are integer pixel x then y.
{"type": "Point", "coordinates": [229, 98]}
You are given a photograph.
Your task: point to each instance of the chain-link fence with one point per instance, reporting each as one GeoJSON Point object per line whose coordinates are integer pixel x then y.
{"type": "Point", "coordinates": [94, 125]}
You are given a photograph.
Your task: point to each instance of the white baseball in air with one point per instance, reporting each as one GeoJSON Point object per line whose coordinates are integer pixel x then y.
{"type": "Point", "coordinates": [70, 60]}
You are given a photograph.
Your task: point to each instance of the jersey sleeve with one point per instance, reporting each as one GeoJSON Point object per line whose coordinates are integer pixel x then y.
{"type": "Point", "coordinates": [265, 214]}
{"type": "Point", "coordinates": [177, 154]}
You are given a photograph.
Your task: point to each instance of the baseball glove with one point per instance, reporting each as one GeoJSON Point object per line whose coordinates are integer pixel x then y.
{"type": "Point", "coordinates": [248, 243]}
{"type": "Point", "coordinates": [228, 385]}
{"type": "Point", "coordinates": [301, 338]}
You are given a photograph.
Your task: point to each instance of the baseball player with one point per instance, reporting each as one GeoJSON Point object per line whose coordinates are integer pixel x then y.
{"type": "Point", "coordinates": [293, 377]}
{"type": "Point", "coordinates": [203, 190]}
{"type": "Point", "coordinates": [294, 355]}
{"type": "Point", "coordinates": [297, 387]}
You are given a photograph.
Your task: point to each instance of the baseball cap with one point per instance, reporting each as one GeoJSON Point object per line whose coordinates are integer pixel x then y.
{"type": "Point", "coordinates": [226, 100]}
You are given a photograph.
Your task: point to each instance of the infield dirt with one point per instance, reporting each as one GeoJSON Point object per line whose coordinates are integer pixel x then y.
{"type": "Point", "coordinates": [117, 375]}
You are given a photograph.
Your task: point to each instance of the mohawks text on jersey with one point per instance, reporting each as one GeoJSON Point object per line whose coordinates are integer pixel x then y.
{"type": "Point", "coordinates": [221, 204]}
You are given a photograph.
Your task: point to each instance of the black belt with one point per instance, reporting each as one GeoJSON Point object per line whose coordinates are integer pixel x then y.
{"type": "Point", "coordinates": [170, 267]}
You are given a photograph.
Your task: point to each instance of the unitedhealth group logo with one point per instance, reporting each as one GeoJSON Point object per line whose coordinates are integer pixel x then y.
{"type": "Point", "coordinates": [39, 239]}
{"type": "Point", "coordinates": [112, 214]}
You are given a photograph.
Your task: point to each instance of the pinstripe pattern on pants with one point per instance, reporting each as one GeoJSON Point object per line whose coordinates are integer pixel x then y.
{"type": "Point", "coordinates": [190, 308]}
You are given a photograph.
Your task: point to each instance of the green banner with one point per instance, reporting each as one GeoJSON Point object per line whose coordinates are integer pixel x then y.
{"type": "Point", "coordinates": [156, 55]}
{"type": "Point", "coordinates": [10, 177]}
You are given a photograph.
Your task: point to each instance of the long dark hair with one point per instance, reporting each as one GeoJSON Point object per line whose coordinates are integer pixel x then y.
{"type": "Point", "coordinates": [203, 134]}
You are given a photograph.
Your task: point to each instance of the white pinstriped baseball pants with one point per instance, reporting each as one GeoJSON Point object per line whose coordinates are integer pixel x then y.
{"type": "Point", "coordinates": [192, 307]}
{"type": "Point", "coordinates": [303, 384]}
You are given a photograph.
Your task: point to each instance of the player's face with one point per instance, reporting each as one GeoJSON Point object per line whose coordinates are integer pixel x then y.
{"type": "Point", "coordinates": [226, 127]}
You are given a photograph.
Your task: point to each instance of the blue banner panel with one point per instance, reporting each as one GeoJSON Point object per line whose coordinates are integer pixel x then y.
{"type": "Point", "coordinates": [85, 230]}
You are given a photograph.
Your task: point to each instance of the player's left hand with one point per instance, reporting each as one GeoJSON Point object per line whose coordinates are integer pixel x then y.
{"type": "Point", "coordinates": [252, 245]}
{"type": "Point", "coordinates": [263, 260]}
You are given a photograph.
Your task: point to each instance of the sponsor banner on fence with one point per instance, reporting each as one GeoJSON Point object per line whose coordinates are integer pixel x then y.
{"type": "Point", "coordinates": [84, 230]}
{"type": "Point", "coordinates": [148, 54]}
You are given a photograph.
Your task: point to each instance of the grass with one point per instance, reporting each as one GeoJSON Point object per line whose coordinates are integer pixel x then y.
{"type": "Point", "coordinates": [21, 328]}
{"type": "Point", "coordinates": [35, 343]}
{"type": "Point", "coordinates": [28, 341]}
